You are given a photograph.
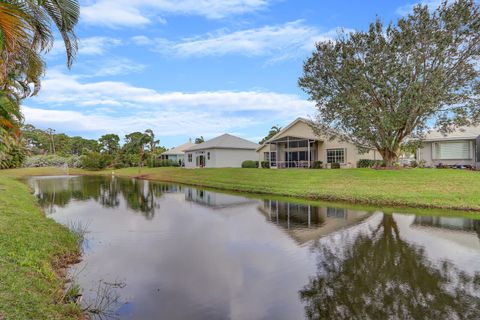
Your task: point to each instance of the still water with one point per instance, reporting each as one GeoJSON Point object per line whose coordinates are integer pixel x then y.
{"type": "Point", "coordinates": [163, 251]}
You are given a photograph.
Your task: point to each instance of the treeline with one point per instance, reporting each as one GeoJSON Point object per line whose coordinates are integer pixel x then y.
{"type": "Point", "coordinates": [47, 148]}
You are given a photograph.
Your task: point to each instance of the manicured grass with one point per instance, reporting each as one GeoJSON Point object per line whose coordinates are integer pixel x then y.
{"type": "Point", "coordinates": [33, 252]}
{"type": "Point", "coordinates": [418, 188]}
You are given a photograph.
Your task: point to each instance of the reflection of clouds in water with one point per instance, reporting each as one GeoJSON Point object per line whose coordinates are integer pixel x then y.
{"type": "Point", "coordinates": [219, 264]}
{"type": "Point", "coordinates": [206, 255]}
{"type": "Point", "coordinates": [463, 246]}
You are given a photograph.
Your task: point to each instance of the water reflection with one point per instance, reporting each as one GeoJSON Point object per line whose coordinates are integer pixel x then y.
{"type": "Point", "coordinates": [304, 222]}
{"type": "Point", "coordinates": [199, 254]}
{"type": "Point", "coordinates": [381, 275]}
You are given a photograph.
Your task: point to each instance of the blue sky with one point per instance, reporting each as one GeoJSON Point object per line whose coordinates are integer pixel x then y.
{"type": "Point", "coordinates": [186, 68]}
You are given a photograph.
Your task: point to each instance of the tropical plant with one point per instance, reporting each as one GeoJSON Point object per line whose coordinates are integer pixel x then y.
{"type": "Point", "coordinates": [25, 33]}
{"type": "Point", "coordinates": [379, 87]}
{"type": "Point", "coordinates": [273, 131]}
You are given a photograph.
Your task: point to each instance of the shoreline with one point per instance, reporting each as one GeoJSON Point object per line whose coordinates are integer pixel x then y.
{"type": "Point", "coordinates": [357, 186]}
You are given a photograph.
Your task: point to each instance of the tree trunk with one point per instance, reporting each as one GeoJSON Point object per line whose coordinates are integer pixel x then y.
{"type": "Point", "coordinates": [389, 156]}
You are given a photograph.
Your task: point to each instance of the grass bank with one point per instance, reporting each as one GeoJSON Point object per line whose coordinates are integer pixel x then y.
{"type": "Point", "coordinates": [34, 251]}
{"type": "Point", "coordinates": [417, 188]}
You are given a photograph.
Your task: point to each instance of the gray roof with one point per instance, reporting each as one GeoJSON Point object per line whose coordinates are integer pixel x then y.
{"type": "Point", "coordinates": [179, 150]}
{"type": "Point", "coordinates": [225, 141]}
{"type": "Point", "coordinates": [462, 133]}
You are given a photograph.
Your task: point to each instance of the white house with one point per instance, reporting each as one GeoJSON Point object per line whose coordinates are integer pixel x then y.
{"type": "Point", "coordinates": [297, 146]}
{"type": "Point", "coordinates": [459, 148]}
{"type": "Point", "coordinates": [177, 154]}
{"type": "Point", "coordinates": [221, 152]}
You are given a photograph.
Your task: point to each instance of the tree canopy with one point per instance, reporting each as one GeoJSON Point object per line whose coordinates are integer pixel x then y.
{"type": "Point", "coordinates": [273, 131]}
{"type": "Point", "coordinates": [379, 87]}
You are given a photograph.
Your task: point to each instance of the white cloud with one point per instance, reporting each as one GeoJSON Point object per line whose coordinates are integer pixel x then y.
{"type": "Point", "coordinates": [279, 42]}
{"type": "Point", "coordinates": [112, 66]}
{"type": "Point", "coordinates": [129, 13]}
{"type": "Point", "coordinates": [406, 9]}
{"type": "Point", "coordinates": [91, 46]}
{"type": "Point", "coordinates": [118, 107]}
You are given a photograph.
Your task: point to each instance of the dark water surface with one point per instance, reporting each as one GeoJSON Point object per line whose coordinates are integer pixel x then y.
{"type": "Point", "coordinates": [162, 251]}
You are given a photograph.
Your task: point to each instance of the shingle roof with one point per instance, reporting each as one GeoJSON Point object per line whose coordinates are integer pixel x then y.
{"type": "Point", "coordinates": [180, 149]}
{"type": "Point", "coordinates": [225, 141]}
{"type": "Point", "coordinates": [459, 134]}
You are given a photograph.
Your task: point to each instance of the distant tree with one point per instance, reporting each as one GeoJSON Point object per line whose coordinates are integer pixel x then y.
{"type": "Point", "coordinates": [110, 143]}
{"type": "Point", "coordinates": [135, 143]}
{"type": "Point", "coordinates": [152, 143]}
{"type": "Point", "coordinates": [381, 86]}
{"type": "Point", "coordinates": [199, 140]}
{"type": "Point", "coordinates": [273, 131]}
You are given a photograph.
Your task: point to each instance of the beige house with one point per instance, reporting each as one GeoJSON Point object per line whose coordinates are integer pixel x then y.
{"type": "Point", "coordinates": [459, 148]}
{"type": "Point", "coordinates": [225, 151]}
{"type": "Point", "coordinates": [297, 146]}
{"type": "Point", "coordinates": [177, 154]}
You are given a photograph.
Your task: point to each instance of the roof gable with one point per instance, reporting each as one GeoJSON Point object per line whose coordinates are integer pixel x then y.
{"type": "Point", "coordinates": [225, 141]}
{"type": "Point", "coordinates": [180, 149]}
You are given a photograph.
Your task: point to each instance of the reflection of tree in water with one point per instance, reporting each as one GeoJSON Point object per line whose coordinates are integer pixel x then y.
{"type": "Point", "coordinates": [382, 277]}
{"type": "Point", "coordinates": [139, 195]}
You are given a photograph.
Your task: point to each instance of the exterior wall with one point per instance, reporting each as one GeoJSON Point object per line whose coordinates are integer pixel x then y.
{"type": "Point", "coordinates": [221, 158]}
{"type": "Point", "coordinates": [352, 154]}
{"type": "Point", "coordinates": [426, 154]}
{"type": "Point", "coordinates": [300, 130]}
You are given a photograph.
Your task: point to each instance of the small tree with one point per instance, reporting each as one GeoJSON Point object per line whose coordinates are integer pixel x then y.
{"type": "Point", "coordinates": [273, 131]}
{"type": "Point", "coordinates": [199, 140]}
{"type": "Point", "coordinates": [379, 87]}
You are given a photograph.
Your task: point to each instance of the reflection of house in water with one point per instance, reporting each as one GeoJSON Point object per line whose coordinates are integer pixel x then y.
{"type": "Point", "coordinates": [306, 222]}
{"type": "Point", "coordinates": [215, 200]}
{"type": "Point", "coordinates": [463, 231]}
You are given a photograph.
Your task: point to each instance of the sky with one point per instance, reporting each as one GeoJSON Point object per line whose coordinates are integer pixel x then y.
{"type": "Point", "coordinates": [189, 68]}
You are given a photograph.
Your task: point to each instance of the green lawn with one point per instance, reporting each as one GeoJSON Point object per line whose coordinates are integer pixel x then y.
{"type": "Point", "coordinates": [33, 251]}
{"type": "Point", "coordinates": [421, 188]}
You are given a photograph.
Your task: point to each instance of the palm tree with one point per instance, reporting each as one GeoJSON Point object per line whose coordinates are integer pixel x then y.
{"type": "Point", "coordinates": [26, 33]}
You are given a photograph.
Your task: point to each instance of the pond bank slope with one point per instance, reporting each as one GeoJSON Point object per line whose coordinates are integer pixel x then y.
{"type": "Point", "coordinates": [416, 188]}
{"type": "Point", "coordinates": [34, 251]}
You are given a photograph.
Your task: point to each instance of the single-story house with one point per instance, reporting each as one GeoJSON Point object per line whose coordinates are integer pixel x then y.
{"type": "Point", "coordinates": [459, 148]}
{"type": "Point", "coordinates": [297, 146]}
{"type": "Point", "coordinates": [225, 151]}
{"type": "Point", "coordinates": [177, 154]}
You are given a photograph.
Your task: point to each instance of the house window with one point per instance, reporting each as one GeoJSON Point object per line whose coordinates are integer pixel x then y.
{"type": "Point", "coordinates": [208, 155]}
{"type": "Point", "coordinates": [335, 155]}
{"type": "Point", "coordinates": [455, 150]}
{"type": "Point", "coordinates": [273, 157]}
{"type": "Point", "coordinates": [266, 156]}
{"type": "Point", "coordinates": [189, 157]}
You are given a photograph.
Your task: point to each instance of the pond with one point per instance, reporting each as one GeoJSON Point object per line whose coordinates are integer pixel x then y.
{"type": "Point", "coordinates": [165, 251]}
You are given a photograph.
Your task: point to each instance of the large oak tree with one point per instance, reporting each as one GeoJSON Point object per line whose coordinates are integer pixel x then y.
{"type": "Point", "coordinates": [384, 85]}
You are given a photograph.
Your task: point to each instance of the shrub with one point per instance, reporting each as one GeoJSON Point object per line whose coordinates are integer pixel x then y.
{"type": "Point", "coordinates": [95, 161]}
{"type": "Point", "coordinates": [422, 163]}
{"type": "Point", "coordinates": [317, 165]}
{"type": "Point", "coordinates": [265, 164]}
{"type": "Point", "coordinates": [335, 165]}
{"type": "Point", "coordinates": [75, 161]}
{"type": "Point", "coordinates": [368, 163]}
{"type": "Point", "coordinates": [46, 161]}
{"type": "Point", "coordinates": [249, 164]}
{"type": "Point", "coordinates": [414, 164]}
{"type": "Point", "coordinates": [162, 163]}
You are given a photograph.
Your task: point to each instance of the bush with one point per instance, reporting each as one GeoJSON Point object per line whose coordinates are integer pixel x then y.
{"type": "Point", "coordinates": [317, 165]}
{"type": "Point", "coordinates": [265, 164]}
{"type": "Point", "coordinates": [75, 161]}
{"type": "Point", "coordinates": [249, 164]}
{"type": "Point", "coordinates": [368, 163]}
{"type": "Point", "coordinates": [46, 161]}
{"type": "Point", "coordinates": [335, 165]}
{"type": "Point", "coordinates": [153, 163]}
{"type": "Point", "coordinates": [414, 164]}
{"type": "Point", "coordinates": [95, 161]}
